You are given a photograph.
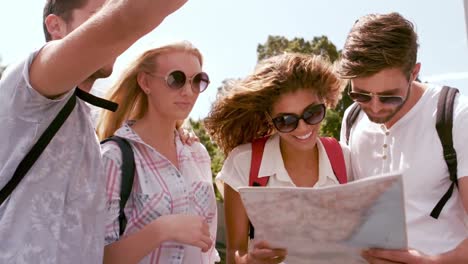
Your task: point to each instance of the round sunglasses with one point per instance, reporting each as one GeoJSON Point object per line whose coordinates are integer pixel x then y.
{"type": "Point", "coordinates": [312, 115]}
{"type": "Point", "coordinates": [177, 79]}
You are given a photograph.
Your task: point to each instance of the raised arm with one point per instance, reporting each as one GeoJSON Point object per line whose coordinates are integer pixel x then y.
{"type": "Point", "coordinates": [65, 63]}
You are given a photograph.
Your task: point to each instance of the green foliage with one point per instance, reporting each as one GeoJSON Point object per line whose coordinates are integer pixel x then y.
{"type": "Point", "coordinates": [331, 125]}
{"type": "Point", "coordinates": [276, 45]}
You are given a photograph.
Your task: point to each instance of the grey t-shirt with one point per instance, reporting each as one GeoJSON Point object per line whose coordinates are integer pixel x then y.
{"type": "Point", "coordinates": [56, 214]}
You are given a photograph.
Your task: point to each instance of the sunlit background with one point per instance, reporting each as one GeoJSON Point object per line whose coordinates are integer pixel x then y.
{"type": "Point", "coordinates": [228, 31]}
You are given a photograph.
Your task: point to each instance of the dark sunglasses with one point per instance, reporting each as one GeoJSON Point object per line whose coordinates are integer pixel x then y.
{"type": "Point", "coordinates": [177, 79]}
{"type": "Point", "coordinates": [312, 115]}
{"type": "Point", "coordinates": [384, 99]}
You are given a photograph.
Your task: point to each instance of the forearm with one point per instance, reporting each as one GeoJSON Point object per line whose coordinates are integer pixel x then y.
{"type": "Point", "coordinates": [65, 63]}
{"type": "Point", "coordinates": [135, 247]}
{"type": "Point", "coordinates": [237, 225]}
{"type": "Point", "coordinates": [230, 256]}
{"type": "Point", "coordinates": [232, 247]}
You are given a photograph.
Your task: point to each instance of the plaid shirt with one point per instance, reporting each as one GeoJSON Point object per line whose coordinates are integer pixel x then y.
{"type": "Point", "coordinates": [159, 188]}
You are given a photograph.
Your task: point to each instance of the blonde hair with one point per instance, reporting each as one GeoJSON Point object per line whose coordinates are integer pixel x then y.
{"type": "Point", "coordinates": [133, 102]}
{"type": "Point", "coordinates": [240, 113]}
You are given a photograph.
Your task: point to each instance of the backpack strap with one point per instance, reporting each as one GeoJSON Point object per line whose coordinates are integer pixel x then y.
{"type": "Point", "coordinates": [258, 145]}
{"type": "Point", "coordinates": [96, 101]}
{"type": "Point", "coordinates": [335, 155]}
{"type": "Point", "coordinates": [351, 118]}
{"type": "Point", "coordinates": [128, 171]}
{"type": "Point", "coordinates": [35, 152]}
{"type": "Point", "coordinates": [444, 125]}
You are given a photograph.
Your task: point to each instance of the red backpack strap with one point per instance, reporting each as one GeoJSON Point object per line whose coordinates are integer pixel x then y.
{"type": "Point", "coordinates": [335, 155]}
{"type": "Point", "coordinates": [258, 145]}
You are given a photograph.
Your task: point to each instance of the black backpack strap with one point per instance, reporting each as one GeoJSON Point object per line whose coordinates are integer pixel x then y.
{"type": "Point", "coordinates": [31, 157]}
{"type": "Point", "coordinates": [351, 118]}
{"type": "Point", "coordinates": [128, 172]}
{"type": "Point", "coordinates": [96, 101]}
{"type": "Point", "coordinates": [36, 150]}
{"type": "Point", "coordinates": [444, 124]}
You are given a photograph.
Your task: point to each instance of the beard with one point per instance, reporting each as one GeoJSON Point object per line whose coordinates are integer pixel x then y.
{"type": "Point", "coordinates": [383, 119]}
{"type": "Point", "coordinates": [390, 113]}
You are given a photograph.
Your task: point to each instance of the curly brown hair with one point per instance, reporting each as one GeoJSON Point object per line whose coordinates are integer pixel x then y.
{"type": "Point", "coordinates": [377, 42]}
{"type": "Point", "coordinates": [239, 114]}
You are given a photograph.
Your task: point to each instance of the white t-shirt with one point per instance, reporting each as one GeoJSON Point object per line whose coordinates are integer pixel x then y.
{"type": "Point", "coordinates": [236, 167]}
{"type": "Point", "coordinates": [56, 213]}
{"type": "Point", "coordinates": [413, 146]}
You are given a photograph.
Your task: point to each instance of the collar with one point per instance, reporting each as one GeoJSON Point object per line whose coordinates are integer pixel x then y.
{"type": "Point", "coordinates": [273, 164]}
{"type": "Point", "coordinates": [127, 132]}
{"type": "Point", "coordinates": [272, 160]}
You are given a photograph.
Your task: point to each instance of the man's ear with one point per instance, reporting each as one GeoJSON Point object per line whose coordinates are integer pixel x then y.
{"type": "Point", "coordinates": [56, 27]}
{"type": "Point", "coordinates": [416, 70]}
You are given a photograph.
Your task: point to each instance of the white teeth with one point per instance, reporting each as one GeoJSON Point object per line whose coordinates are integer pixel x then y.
{"type": "Point", "coordinates": [305, 136]}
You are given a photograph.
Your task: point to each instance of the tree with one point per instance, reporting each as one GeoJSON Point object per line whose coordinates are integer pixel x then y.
{"type": "Point", "coordinates": [276, 45]}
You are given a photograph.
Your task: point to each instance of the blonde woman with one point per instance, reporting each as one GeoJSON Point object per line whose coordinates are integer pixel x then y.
{"type": "Point", "coordinates": [285, 98]}
{"type": "Point", "coordinates": [171, 213]}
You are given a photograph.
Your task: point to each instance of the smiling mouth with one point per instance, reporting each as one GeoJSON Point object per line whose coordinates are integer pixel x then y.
{"type": "Point", "coordinates": [306, 136]}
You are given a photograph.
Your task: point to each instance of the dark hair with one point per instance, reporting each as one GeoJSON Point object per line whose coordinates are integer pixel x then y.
{"type": "Point", "coordinates": [377, 42]}
{"type": "Point", "coordinates": [61, 8]}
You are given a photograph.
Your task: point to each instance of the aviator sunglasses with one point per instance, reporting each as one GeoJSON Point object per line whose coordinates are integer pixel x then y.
{"type": "Point", "coordinates": [361, 97]}
{"type": "Point", "coordinates": [177, 79]}
{"type": "Point", "coordinates": [312, 115]}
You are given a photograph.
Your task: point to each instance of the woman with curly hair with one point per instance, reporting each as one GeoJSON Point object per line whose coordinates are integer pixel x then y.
{"type": "Point", "coordinates": [281, 104]}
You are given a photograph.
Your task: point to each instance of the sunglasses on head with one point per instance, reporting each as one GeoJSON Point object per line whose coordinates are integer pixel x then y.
{"type": "Point", "coordinates": [312, 115]}
{"type": "Point", "coordinates": [177, 79]}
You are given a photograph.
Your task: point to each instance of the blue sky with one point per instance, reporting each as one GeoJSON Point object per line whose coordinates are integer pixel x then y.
{"type": "Point", "coordinates": [228, 31]}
